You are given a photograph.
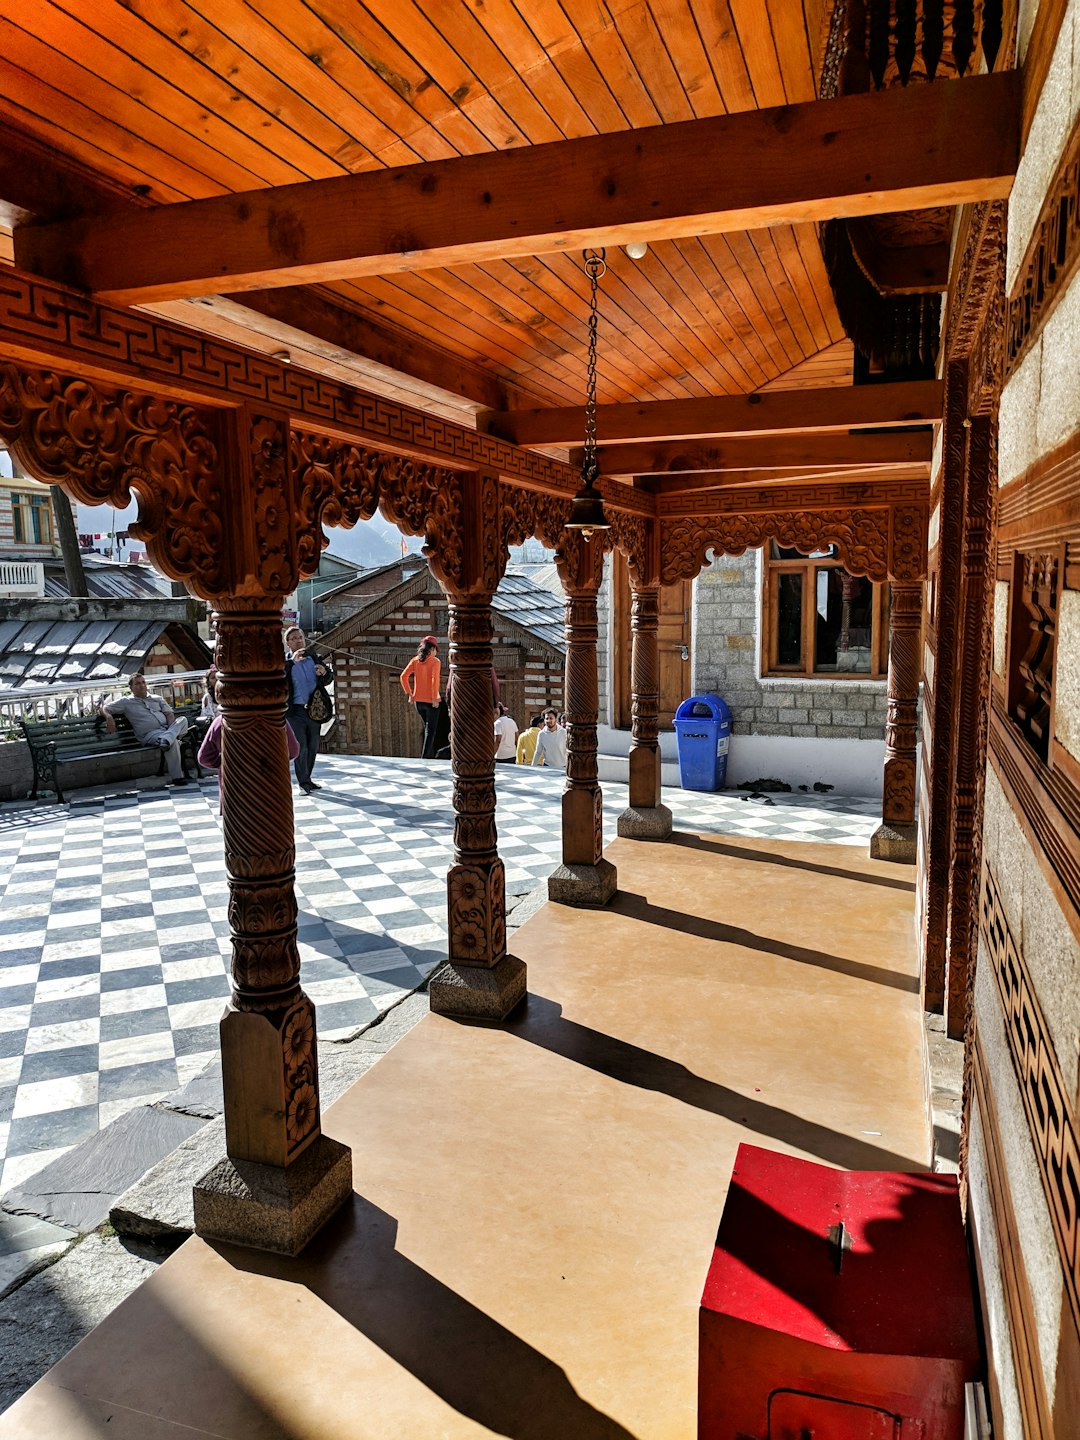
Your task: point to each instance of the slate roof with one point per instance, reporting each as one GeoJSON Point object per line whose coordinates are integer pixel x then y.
{"type": "Point", "coordinates": [106, 580]}
{"type": "Point", "coordinates": [533, 608]}
{"type": "Point", "coordinates": [64, 652]}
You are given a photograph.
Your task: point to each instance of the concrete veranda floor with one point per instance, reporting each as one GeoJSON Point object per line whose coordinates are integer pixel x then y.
{"type": "Point", "coordinates": [536, 1202]}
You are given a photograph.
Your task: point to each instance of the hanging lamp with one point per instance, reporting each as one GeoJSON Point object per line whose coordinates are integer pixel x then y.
{"type": "Point", "coordinates": [587, 508]}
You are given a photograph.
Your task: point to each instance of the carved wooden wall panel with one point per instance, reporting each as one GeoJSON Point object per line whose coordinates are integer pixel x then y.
{"type": "Point", "coordinates": [1046, 1098]}
{"type": "Point", "coordinates": [861, 536]}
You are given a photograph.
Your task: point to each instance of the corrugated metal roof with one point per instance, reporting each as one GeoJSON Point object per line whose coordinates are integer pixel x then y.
{"type": "Point", "coordinates": [66, 651]}
{"type": "Point", "coordinates": [532, 608]}
{"type": "Point", "coordinates": [107, 581]}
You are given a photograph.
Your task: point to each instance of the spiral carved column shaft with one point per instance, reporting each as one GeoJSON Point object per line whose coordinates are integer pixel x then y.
{"type": "Point", "coordinates": [645, 698]}
{"type": "Point", "coordinates": [268, 1032]}
{"type": "Point", "coordinates": [480, 979]}
{"type": "Point", "coordinates": [901, 726]}
{"type": "Point", "coordinates": [583, 841]}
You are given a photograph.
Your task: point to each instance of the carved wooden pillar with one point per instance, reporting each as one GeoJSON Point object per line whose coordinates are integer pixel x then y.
{"type": "Point", "coordinates": [940, 701]}
{"type": "Point", "coordinates": [480, 978]}
{"type": "Point", "coordinates": [282, 1178]}
{"type": "Point", "coordinates": [896, 837]}
{"type": "Point", "coordinates": [584, 877]}
{"type": "Point", "coordinates": [971, 719]}
{"type": "Point", "coordinates": [645, 818]}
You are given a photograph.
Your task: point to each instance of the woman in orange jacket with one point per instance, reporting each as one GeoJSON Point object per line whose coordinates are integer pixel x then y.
{"type": "Point", "coordinates": [420, 681]}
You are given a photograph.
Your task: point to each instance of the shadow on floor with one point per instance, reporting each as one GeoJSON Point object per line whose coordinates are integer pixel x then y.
{"type": "Point", "coordinates": [460, 1353]}
{"type": "Point", "coordinates": [767, 857]}
{"type": "Point", "coordinates": [541, 1022]}
{"type": "Point", "coordinates": [637, 907]}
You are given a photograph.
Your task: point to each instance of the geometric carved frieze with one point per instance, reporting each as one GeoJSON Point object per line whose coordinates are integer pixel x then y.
{"type": "Point", "coordinates": [861, 538]}
{"type": "Point", "coordinates": [1042, 1088]}
{"type": "Point", "coordinates": [104, 445]}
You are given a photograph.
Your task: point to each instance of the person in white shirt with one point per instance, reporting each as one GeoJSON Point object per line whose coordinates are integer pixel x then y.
{"type": "Point", "coordinates": [506, 733]}
{"type": "Point", "coordinates": [153, 722]}
{"type": "Point", "coordinates": [551, 743]}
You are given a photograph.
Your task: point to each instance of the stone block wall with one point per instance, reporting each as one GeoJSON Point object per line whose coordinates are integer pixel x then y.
{"type": "Point", "coordinates": [727, 662]}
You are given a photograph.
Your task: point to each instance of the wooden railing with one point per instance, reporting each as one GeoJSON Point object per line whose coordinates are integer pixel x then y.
{"type": "Point", "coordinates": [878, 43]}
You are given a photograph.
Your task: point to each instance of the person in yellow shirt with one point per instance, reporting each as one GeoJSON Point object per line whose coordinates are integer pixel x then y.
{"type": "Point", "coordinates": [526, 745]}
{"type": "Point", "coordinates": [420, 681]}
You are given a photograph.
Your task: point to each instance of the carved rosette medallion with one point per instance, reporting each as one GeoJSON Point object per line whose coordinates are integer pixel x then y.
{"type": "Point", "coordinates": [105, 445]}
{"type": "Point", "coordinates": [272, 505]}
{"type": "Point", "coordinates": [907, 545]}
{"type": "Point", "coordinates": [299, 1053]}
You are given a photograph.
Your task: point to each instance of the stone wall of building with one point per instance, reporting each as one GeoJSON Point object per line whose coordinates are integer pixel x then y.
{"type": "Point", "coordinates": [727, 662]}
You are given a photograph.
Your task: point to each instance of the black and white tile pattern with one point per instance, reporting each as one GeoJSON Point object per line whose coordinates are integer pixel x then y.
{"type": "Point", "coordinates": [113, 975]}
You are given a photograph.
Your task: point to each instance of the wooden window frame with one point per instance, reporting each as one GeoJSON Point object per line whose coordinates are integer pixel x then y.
{"type": "Point", "coordinates": [771, 669]}
{"type": "Point", "coordinates": [25, 501]}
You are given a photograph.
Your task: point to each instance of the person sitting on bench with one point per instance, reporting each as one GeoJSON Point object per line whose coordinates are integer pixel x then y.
{"type": "Point", "coordinates": [153, 723]}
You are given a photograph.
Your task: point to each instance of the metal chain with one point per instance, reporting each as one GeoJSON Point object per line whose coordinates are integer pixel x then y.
{"type": "Point", "coordinates": [595, 268]}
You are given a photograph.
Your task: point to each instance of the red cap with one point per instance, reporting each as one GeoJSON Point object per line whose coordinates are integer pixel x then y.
{"type": "Point", "coordinates": [429, 640]}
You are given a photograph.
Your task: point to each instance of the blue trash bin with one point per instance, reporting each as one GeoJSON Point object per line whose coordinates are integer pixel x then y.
{"type": "Point", "coordinates": [703, 727]}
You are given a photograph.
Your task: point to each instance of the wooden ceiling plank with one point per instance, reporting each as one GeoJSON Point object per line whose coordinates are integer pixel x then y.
{"type": "Point", "coordinates": [141, 101]}
{"type": "Point", "coordinates": [183, 62]}
{"type": "Point", "coordinates": [811, 296]}
{"type": "Point", "coordinates": [524, 46]}
{"type": "Point", "coordinates": [676, 24]}
{"type": "Point", "coordinates": [793, 51]}
{"type": "Point", "coordinates": [417, 303]}
{"type": "Point", "coordinates": [483, 84]}
{"type": "Point", "coordinates": [430, 216]}
{"type": "Point", "coordinates": [654, 64]}
{"type": "Point", "coordinates": [715, 312]}
{"type": "Point", "coordinates": [786, 287]}
{"type": "Point", "coordinates": [330, 76]}
{"type": "Point", "coordinates": [27, 180]}
{"type": "Point", "coordinates": [710, 339]}
{"type": "Point", "coordinates": [771, 452]}
{"type": "Point", "coordinates": [747, 257]}
{"type": "Point", "coordinates": [551, 309]}
{"type": "Point", "coordinates": [810, 250]}
{"type": "Point", "coordinates": [627, 359]}
{"type": "Point", "coordinates": [759, 49]}
{"type": "Point", "coordinates": [601, 51]}
{"type": "Point", "coordinates": [817, 15]}
{"type": "Point", "coordinates": [364, 57]}
{"type": "Point", "coordinates": [54, 111]}
{"type": "Point", "coordinates": [901, 403]}
{"type": "Point", "coordinates": [720, 38]}
{"type": "Point", "coordinates": [717, 265]}
{"type": "Point", "coordinates": [347, 332]}
{"type": "Point", "coordinates": [833, 367]}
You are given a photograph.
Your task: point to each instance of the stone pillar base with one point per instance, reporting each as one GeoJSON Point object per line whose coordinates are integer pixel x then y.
{"type": "Point", "coordinates": [477, 992]}
{"type": "Point", "coordinates": [641, 822]}
{"type": "Point", "coordinates": [267, 1207]}
{"type": "Point", "coordinates": [585, 885]}
{"type": "Point", "coordinates": [895, 842]}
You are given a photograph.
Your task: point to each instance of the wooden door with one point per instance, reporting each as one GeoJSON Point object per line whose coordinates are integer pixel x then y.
{"type": "Point", "coordinates": [395, 725]}
{"type": "Point", "coordinates": [673, 643]}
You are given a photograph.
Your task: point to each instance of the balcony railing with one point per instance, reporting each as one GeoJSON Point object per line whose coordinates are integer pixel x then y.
{"type": "Point", "coordinates": [22, 577]}
{"type": "Point", "coordinates": [53, 702]}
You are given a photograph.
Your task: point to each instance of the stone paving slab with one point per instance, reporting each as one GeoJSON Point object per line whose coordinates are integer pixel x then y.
{"type": "Point", "coordinates": [78, 1189]}
{"type": "Point", "coordinates": [26, 1244]}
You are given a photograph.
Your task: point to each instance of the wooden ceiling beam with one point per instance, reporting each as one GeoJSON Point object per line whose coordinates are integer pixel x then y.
{"type": "Point", "coordinates": [903, 403]}
{"type": "Point", "coordinates": [738, 479]}
{"type": "Point", "coordinates": [38, 183]}
{"type": "Point", "coordinates": [947, 144]}
{"type": "Point", "coordinates": [769, 452]}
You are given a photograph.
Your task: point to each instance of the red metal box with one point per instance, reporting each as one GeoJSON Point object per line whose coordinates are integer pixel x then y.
{"type": "Point", "coordinates": [837, 1306]}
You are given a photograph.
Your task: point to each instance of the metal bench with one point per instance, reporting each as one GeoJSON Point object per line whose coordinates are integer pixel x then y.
{"type": "Point", "coordinates": [53, 743]}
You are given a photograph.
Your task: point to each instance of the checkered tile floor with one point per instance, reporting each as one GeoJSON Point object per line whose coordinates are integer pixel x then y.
{"type": "Point", "coordinates": [113, 975]}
